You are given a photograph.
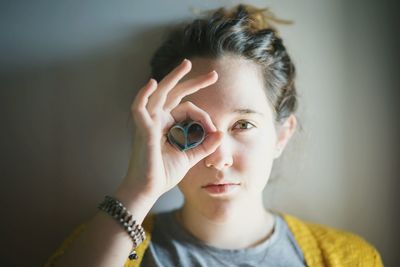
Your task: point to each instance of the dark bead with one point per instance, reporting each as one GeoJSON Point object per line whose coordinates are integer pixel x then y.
{"type": "Point", "coordinates": [133, 255]}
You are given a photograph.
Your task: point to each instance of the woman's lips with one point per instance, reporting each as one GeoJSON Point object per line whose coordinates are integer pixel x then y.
{"type": "Point", "coordinates": [221, 188]}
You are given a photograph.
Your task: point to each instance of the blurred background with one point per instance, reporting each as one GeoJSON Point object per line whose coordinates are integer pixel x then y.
{"type": "Point", "coordinates": [70, 69]}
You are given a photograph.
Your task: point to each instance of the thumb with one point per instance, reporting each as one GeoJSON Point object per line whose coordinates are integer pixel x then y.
{"type": "Point", "coordinates": [208, 146]}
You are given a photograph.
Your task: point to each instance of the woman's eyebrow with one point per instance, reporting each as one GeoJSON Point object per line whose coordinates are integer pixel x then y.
{"type": "Point", "coordinates": [247, 111]}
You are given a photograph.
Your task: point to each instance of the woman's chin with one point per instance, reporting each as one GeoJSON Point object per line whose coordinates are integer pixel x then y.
{"type": "Point", "coordinates": [221, 211]}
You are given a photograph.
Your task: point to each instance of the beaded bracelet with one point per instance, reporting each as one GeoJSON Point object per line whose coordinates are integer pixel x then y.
{"type": "Point", "coordinates": [115, 208]}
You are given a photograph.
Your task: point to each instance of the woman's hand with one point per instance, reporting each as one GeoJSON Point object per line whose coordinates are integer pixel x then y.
{"type": "Point", "coordinates": [156, 166]}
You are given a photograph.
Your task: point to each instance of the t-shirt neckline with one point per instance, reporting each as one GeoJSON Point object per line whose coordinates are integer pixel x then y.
{"type": "Point", "coordinates": [183, 235]}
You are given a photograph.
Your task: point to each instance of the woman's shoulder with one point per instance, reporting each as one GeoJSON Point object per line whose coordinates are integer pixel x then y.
{"type": "Point", "coordinates": [322, 243]}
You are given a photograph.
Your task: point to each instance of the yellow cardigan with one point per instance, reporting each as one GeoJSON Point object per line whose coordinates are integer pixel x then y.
{"type": "Point", "coordinates": [321, 245]}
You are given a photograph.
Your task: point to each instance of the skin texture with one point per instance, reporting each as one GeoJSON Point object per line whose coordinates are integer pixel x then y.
{"type": "Point", "coordinates": [245, 156]}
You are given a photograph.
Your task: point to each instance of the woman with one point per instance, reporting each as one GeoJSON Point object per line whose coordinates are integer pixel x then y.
{"type": "Point", "coordinates": [230, 72]}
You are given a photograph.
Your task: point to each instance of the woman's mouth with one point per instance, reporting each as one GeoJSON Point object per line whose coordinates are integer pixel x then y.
{"type": "Point", "coordinates": [219, 189]}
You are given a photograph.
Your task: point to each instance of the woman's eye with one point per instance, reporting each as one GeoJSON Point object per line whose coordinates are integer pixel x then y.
{"type": "Point", "coordinates": [244, 125]}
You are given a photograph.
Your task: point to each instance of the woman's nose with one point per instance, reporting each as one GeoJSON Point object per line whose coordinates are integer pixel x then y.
{"type": "Point", "coordinates": [221, 158]}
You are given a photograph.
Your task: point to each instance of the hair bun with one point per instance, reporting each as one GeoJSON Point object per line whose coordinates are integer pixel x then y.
{"type": "Point", "coordinates": [259, 18]}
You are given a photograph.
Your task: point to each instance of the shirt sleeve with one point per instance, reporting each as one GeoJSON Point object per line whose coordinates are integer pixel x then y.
{"type": "Point", "coordinates": [65, 245]}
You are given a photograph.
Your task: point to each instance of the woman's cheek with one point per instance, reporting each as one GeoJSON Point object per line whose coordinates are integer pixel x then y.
{"type": "Point", "coordinates": [255, 143]}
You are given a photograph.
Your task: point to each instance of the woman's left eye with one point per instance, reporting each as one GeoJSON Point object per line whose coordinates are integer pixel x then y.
{"type": "Point", "coordinates": [245, 125]}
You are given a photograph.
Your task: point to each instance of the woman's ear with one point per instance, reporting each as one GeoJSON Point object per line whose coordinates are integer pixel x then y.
{"type": "Point", "coordinates": [284, 133]}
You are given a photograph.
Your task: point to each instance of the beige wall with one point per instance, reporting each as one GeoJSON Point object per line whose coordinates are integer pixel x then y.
{"type": "Point", "coordinates": [69, 72]}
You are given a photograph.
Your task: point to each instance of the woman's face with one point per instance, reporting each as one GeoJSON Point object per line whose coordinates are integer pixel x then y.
{"type": "Point", "coordinates": [238, 106]}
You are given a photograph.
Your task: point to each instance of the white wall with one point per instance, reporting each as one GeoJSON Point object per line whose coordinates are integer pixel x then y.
{"type": "Point", "coordinates": [69, 71]}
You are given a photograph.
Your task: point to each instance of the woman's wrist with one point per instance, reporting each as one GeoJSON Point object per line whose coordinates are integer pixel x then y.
{"type": "Point", "coordinates": [137, 199]}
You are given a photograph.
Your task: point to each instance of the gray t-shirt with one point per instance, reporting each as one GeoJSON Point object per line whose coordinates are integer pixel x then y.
{"type": "Point", "coordinates": [172, 246]}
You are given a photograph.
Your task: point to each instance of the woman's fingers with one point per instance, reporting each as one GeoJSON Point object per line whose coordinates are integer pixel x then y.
{"type": "Point", "coordinates": [189, 87]}
{"type": "Point", "coordinates": [154, 98]}
{"type": "Point", "coordinates": [157, 99]}
{"type": "Point", "coordinates": [189, 110]}
{"type": "Point", "coordinates": [138, 107]}
{"type": "Point", "coordinates": [213, 137]}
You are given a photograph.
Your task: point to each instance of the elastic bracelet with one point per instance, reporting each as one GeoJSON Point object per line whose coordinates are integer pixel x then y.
{"type": "Point", "coordinates": [115, 208]}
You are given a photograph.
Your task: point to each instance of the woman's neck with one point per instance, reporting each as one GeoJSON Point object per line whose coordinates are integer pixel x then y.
{"type": "Point", "coordinates": [241, 228]}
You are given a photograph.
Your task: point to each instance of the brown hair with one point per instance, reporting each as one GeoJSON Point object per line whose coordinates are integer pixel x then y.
{"type": "Point", "coordinates": [245, 31]}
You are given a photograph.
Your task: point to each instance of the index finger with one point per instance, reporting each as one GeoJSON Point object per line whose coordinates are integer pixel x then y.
{"type": "Point", "coordinates": [189, 87]}
{"type": "Point", "coordinates": [157, 99]}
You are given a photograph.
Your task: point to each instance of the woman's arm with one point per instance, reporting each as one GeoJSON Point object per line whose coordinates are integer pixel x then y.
{"type": "Point", "coordinates": [104, 242]}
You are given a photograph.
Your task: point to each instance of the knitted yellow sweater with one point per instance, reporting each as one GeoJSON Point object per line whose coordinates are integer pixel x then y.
{"type": "Point", "coordinates": [321, 245]}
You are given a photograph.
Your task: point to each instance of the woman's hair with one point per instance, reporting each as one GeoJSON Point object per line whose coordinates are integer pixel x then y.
{"type": "Point", "coordinates": [242, 31]}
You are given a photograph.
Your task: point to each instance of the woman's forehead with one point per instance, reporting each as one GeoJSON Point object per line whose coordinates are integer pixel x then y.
{"type": "Point", "coordinates": [230, 106]}
{"type": "Point", "coordinates": [239, 85]}
{"type": "Point", "coordinates": [226, 65]}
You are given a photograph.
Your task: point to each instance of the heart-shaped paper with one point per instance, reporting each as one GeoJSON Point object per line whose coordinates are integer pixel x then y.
{"type": "Point", "coordinates": [186, 134]}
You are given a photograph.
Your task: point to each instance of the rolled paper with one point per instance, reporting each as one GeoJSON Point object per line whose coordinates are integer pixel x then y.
{"type": "Point", "coordinates": [186, 134]}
